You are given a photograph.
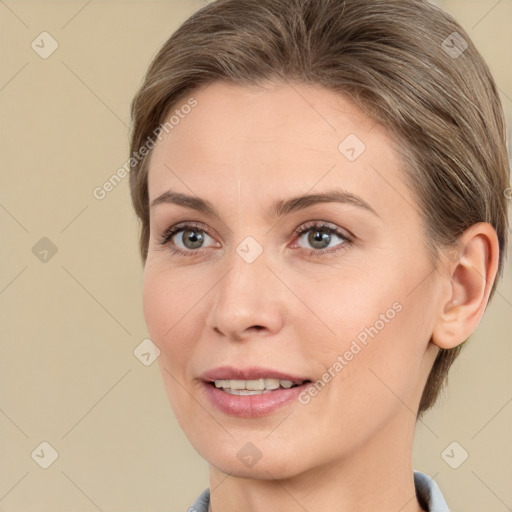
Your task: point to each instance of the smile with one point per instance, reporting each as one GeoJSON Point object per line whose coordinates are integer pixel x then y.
{"type": "Point", "coordinates": [255, 386]}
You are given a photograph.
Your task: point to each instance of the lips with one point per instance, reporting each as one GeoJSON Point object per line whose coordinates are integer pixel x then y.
{"type": "Point", "coordinates": [245, 403]}
{"type": "Point", "coordinates": [250, 373]}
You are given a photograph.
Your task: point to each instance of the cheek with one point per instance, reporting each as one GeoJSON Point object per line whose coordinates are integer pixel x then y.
{"type": "Point", "coordinates": [165, 311]}
{"type": "Point", "coordinates": [381, 363]}
{"type": "Point", "coordinates": [170, 328]}
{"type": "Point", "coordinates": [175, 313]}
{"type": "Point", "coordinates": [155, 300]}
{"type": "Point", "coordinates": [375, 339]}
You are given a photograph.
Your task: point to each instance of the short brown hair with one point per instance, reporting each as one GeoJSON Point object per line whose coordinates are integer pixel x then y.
{"type": "Point", "coordinates": [406, 63]}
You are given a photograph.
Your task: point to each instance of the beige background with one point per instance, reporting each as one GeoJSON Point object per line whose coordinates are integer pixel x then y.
{"type": "Point", "coordinates": [68, 374]}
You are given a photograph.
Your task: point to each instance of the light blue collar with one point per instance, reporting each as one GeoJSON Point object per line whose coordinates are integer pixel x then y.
{"type": "Point", "coordinates": [427, 491]}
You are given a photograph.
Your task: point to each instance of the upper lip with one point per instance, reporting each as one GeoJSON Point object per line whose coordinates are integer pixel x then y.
{"type": "Point", "coordinates": [251, 373]}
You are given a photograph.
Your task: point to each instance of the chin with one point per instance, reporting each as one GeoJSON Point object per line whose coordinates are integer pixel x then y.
{"type": "Point", "coordinates": [246, 460]}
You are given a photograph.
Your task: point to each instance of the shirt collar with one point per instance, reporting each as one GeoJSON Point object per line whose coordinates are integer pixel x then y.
{"type": "Point", "coordinates": [429, 494]}
{"type": "Point", "coordinates": [427, 491]}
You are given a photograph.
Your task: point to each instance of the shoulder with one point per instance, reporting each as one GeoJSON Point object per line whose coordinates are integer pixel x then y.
{"type": "Point", "coordinates": [202, 502]}
{"type": "Point", "coordinates": [429, 494]}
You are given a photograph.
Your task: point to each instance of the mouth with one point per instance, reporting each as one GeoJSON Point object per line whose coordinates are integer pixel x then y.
{"type": "Point", "coordinates": [251, 392]}
{"type": "Point", "coordinates": [255, 386]}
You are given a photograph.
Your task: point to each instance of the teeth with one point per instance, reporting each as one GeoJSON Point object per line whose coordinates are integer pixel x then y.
{"type": "Point", "coordinates": [252, 386]}
{"type": "Point", "coordinates": [245, 391]}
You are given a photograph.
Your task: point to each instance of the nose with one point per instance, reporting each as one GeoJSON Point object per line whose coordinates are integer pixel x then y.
{"type": "Point", "coordinates": [248, 301]}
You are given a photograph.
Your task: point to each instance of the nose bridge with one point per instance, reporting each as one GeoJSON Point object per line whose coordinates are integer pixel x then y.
{"type": "Point", "coordinates": [246, 295]}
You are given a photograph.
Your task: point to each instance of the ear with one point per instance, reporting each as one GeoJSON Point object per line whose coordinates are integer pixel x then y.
{"type": "Point", "coordinates": [470, 270]}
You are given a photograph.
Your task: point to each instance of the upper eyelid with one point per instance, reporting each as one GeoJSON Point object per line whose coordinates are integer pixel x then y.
{"type": "Point", "coordinates": [299, 231]}
{"type": "Point", "coordinates": [322, 224]}
{"type": "Point", "coordinates": [302, 227]}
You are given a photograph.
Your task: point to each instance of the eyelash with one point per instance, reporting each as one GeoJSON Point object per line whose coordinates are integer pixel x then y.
{"type": "Point", "coordinates": [319, 226]}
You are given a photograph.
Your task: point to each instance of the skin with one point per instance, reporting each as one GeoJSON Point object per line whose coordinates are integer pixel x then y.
{"type": "Point", "coordinates": [350, 447]}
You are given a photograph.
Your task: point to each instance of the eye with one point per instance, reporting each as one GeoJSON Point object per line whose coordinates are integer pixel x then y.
{"type": "Point", "coordinates": [188, 238]}
{"type": "Point", "coordinates": [320, 235]}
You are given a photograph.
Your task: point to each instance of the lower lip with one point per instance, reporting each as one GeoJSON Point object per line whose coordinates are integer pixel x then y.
{"type": "Point", "coordinates": [252, 406]}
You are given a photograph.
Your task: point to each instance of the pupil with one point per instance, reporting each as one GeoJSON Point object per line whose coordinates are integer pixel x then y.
{"type": "Point", "coordinates": [317, 237]}
{"type": "Point", "coordinates": [191, 236]}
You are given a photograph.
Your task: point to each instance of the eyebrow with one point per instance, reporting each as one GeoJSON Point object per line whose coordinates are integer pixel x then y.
{"type": "Point", "coordinates": [280, 208]}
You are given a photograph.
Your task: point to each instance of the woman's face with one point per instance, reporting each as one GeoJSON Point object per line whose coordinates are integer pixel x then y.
{"type": "Point", "coordinates": [349, 304]}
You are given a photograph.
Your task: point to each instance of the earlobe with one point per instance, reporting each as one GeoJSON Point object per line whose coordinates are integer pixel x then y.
{"type": "Point", "coordinates": [470, 274]}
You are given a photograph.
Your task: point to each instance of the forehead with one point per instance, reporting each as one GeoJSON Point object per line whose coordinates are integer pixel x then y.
{"type": "Point", "coordinates": [263, 143]}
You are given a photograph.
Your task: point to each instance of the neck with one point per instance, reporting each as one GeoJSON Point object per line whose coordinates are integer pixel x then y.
{"type": "Point", "coordinates": [375, 476]}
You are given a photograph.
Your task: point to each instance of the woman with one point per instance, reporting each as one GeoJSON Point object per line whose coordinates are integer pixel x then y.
{"type": "Point", "coordinates": [321, 186]}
